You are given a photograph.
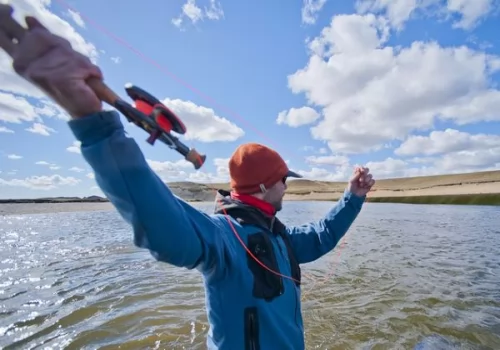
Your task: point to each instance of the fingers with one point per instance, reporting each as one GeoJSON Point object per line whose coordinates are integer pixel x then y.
{"type": "Point", "coordinates": [12, 28]}
{"type": "Point", "coordinates": [7, 44]}
{"type": "Point", "coordinates": [33, 23]}
{"type": "Point", "coordinates": [11, 32]}
{"type": "Point", "coordinates": [362, 177]}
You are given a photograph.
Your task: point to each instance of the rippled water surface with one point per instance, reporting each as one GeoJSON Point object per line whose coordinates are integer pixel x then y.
{"type": "Point", "coordinates": [75, 281]}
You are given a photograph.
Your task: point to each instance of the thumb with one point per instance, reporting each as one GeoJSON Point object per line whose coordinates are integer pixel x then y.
{"type": "Point", "coordinates": [357, 174]}
{"type": "Point", "coordinates": [34, 23]}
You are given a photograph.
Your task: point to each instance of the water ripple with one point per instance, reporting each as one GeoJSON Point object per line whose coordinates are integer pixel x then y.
{"type": "Point", "coordinates": [404, 272]}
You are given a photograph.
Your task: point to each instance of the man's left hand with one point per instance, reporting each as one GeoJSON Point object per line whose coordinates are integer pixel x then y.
{"type": "Point", "coordinates": [361, 181]}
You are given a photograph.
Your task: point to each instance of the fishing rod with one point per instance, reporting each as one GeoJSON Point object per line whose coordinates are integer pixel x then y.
{"type": "Point", "coordinates": [148, 113]}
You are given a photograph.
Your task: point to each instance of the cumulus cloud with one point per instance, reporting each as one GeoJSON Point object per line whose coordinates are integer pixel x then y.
{"type": "Point", "coordinates": [193, 13]}
{"type": "Point", "coordinates": [41, 129]}
{"type": "Point", "coordinates": [182, 170]}
{"type": "Point", "coordinates": [295, 117]}
{"type": "Point", "coordinates": [75, 147]}
{"type": "Point", "coordinates": [469, 12]}
{"type": "Point", "coordinates": [14, 156]}
{"type": "Point", "coordinates": [310, 10]}
{"type": "Point", "coordinates": [202, 123]}
{"type": "Point", "coordinates": [372, 93]}
{"type": "Point", "coordinates": [171, 171]}
{"type": "Point", "coordinates": [51, 166]}
{"type": "Point", "coordinates": [44, 183]}
{"type": "Point", "coordinates": [447, 141]}
{"type": "Point", "coordinates": [221, 173]}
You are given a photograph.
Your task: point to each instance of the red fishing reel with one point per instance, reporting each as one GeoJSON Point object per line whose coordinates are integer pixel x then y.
{"type": "Point", "coordinates": [158, 120]}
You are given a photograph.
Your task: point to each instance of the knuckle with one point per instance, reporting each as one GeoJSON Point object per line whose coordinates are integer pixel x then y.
{"type": "Point", "coordinates": [19, 66]}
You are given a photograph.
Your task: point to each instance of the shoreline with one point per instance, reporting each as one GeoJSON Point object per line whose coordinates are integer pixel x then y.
{"type": "Point", "coordinates": [485, 199]}
{"type": "Point", "coordinates": [457, 189]}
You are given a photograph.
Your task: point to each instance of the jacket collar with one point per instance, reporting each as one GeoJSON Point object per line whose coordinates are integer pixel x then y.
{"type": "Point", "coordinates": [252, 211]}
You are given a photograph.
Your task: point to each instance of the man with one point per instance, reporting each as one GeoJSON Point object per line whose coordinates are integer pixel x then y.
{"type": "Point", "coordinates": [248, 259]}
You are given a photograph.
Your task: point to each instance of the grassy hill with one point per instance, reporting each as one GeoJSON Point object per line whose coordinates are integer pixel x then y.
{"type": "Point", "coordinates": [468, 188]}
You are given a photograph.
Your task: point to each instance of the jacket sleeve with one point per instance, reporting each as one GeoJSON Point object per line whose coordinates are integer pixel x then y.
{"type": "Point", "coordinates": [172, 230]}
{"type": "Point", "coordinates": [313, 240]}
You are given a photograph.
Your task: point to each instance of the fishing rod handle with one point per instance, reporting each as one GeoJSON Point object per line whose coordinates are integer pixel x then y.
{"type": "Point", "coordinates": [195, 158]}
{"type": "Point", "coordinates": [103, 92]}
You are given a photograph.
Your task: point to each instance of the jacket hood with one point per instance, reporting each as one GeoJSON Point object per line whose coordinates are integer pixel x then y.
{"type": "Point", "coordinates": [244, 213]}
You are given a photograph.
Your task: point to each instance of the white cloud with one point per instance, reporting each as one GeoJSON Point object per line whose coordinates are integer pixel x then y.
{"type": "Point", "coordinates": [77, 18]}
{"type": "Point", "coordinates": [202, 123]}
{"type": "Point", "coordinates": [51, 166]}
{"type": "Point", "coordinates": [14, 156]}
{"type": "Point", "coordinates": [41, 129]}
{"type": "Point", "coordinates": [470, 12]}
{"type": "Point", "coordinates": [328, 160]}
{"type": "Point", "coordinates": [192, 12]}
{"type": "Point", "coordinates": [372, 94]}
{"type": "Point", "coordinates": [221, 173]}
{"type": "Point", "coordinates": [171, 171]}
{"type": "Point", "coordinates": [76, 169]}
{"type": "Point", "coordinates": [75, 147]}
{"type": "Point", "coordinates": [6, 130]}
{"type": "Point", "coordinates": [323, 174]}
{"type": "Point", "coordinates": [310, 9]}
{"type": "Point", "coordinates": [295, 117]}
{"type": "Point", "coordinates": [16, 109]}
{"type": "Point", "coordinates": [214, 12]}
{"type": "Point", "coordinates": [450, 163]}
{"type": "Point", "coordinates": [447, 141]}
{"type": "Point", "coordinates": [41, 182]}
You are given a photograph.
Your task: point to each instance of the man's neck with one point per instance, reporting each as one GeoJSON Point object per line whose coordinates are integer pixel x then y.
{"type": "Point", "coordinates": [258, 203]}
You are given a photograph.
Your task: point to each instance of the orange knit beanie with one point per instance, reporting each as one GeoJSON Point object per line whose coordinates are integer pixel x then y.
{"type": "Point", "coordinates": [254, 167]}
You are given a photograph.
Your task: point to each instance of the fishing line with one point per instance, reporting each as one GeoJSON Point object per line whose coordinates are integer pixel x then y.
{"type": "Point", "coordinates": [206, 97]}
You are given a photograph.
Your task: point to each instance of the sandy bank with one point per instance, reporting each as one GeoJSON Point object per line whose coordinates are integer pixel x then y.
{"type": "Point", "coordinates": [482, 188]}
{"type": "Point", "coordinates": [445, 190]}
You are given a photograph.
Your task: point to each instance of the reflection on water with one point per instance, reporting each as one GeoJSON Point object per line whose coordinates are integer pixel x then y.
{"type": "Point", "coordinates": [75, 281]}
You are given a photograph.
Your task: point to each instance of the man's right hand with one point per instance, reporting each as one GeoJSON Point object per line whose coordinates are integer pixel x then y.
{"type": "Point", "coordinates": [49, 62]}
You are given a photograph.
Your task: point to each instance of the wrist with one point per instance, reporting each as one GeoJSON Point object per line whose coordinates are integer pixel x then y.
{"type": "Point", "coordinates": [94, 127]}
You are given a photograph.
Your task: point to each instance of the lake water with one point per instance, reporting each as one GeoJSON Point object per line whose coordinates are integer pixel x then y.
{"type": "Point", "coordinates": [75, 281]}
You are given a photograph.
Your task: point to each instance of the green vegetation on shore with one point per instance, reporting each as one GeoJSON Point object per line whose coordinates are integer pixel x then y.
{"type": "Point", "coordinates": [444, 189]}
{"type": "Point", "coordinates": [458, 199]}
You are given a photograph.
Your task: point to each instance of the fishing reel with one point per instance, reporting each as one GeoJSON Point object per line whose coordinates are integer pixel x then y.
{"type": "Point", "coordinates": [158, 121]}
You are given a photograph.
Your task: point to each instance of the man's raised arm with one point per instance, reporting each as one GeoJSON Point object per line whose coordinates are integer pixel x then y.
{"type": "Point", "coordinates": [172, 230]}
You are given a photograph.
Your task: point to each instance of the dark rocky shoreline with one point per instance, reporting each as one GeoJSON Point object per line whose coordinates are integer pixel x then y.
{"type": "Point", "coordinates": [90, 199]}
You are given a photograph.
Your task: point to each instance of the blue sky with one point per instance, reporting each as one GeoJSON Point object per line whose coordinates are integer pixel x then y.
{"type": "Point", "coordinates": [405, 89]}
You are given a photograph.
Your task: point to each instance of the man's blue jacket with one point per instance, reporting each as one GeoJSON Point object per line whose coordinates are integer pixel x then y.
{"type": "Point", "coordinates": [248, 306]}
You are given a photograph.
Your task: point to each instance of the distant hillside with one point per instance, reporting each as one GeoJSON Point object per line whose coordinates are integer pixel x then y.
{"type": "Point", "coordinates": [90, 199]}
{"type": "Point", "coordinates": [301, 189]}
{"type": "Point", "coordinates": [311, 190]}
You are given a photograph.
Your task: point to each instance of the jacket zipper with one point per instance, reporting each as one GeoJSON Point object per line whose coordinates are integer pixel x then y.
{"type": "Point", "coordinates": [252, 332]}
{"type": "Point", "coordinates": [282, 255]}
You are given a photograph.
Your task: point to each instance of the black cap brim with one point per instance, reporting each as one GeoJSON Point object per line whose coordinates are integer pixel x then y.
{"type": "Point", "coordinates": [293, 174]}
